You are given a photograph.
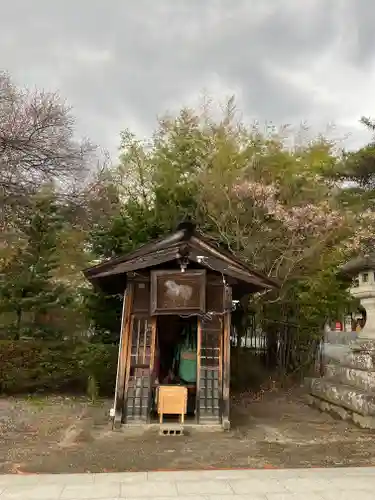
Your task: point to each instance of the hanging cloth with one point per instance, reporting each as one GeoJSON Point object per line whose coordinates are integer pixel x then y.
{"type": "Point", "coordinates": [186, 356]}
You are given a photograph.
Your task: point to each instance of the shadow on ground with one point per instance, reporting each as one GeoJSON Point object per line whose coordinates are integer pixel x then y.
{"type": "Point", "coordinates": [277, 429]}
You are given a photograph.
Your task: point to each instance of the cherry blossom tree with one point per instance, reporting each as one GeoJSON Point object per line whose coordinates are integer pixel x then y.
{"type": "Point", "coordinates": [272, 204]}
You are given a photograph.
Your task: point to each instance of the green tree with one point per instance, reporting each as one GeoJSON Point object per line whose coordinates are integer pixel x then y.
{"type": "Point", "coordinates": [355, 179]}
{"type": "Point", "coordinates": [29, 290]}
{"type": "Point", "coordinates": [271, 205]}
{"type": "Point", "coordinates": [358, 167]}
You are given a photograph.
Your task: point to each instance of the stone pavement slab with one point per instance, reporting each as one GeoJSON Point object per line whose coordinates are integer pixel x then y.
{"type": "Point", "coordinates": [282, 484]}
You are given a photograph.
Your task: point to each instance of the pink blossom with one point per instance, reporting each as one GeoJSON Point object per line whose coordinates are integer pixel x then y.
{"type": "Point", "coordinates": [307, 219]}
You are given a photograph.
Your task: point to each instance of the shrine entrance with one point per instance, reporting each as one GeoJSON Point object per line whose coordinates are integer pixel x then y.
{"type": "Point", "coordinates": [176, 324]}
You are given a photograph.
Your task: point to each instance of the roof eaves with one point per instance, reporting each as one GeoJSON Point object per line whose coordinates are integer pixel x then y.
{"type": "Point", "coordinates": [199, 241]}
{"type": "Point", "coordinates": [140, 262]}
{"type": "Point", "coordinates": [146, 249]}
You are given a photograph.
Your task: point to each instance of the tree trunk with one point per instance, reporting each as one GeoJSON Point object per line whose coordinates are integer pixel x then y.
{"type": "Point", "coordinates": [272, 347]}
{"type": "Point", "coordinates": [18, 324]}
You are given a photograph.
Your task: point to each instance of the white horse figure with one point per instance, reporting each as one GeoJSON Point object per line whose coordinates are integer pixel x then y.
{"type": "Point", "coordinates": [175, 291]}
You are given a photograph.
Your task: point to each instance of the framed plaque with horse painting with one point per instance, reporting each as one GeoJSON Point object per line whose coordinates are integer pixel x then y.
{"type": "Point", "coordinates": [176, 292]}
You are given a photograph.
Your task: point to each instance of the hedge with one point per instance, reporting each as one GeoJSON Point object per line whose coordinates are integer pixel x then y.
{"type": "Point", "coordinates": [59, 367]}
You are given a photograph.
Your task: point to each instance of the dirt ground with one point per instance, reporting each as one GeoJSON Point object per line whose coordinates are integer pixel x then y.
{"type": "Point", "coordinates": [275, 429]}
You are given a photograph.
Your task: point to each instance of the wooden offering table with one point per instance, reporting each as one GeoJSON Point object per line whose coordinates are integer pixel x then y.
{"type": "Point", "coordinates": [172, 400]}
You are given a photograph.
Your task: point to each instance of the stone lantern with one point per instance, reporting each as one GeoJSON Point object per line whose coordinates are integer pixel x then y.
{"type": "Point", "coordinates": [362, 272]}
{"type": "Point", "coordinates": [347, 387]}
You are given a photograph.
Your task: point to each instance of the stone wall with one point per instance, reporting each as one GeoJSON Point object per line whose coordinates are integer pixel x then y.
{"type": "Point", "coordinates": [348, 385]}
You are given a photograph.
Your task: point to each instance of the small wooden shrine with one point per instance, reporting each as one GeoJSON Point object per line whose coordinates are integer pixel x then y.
{"type": "Point", "coordinates": [178, 295]}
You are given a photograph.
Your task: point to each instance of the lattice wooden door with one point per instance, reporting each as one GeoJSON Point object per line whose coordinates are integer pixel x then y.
{"type": "Point", "coordinates": [138, 377]}
{"type": "Point", "coordinates": [210, 370]}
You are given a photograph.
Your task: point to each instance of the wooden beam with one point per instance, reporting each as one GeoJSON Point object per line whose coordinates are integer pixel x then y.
{"type": "Point", "coordinates": [221, 358]}
{"type": "Point", "coordinates": [123, 354]}
{"type": "Point", "coordinates": [226, 370]}
{"type": "Point", "coordinates": [139, 276]}
{"type": "Point", "coordinates": [117, 414]}
{"type": "Point", "coordinates": [153, 343]}
{"type": "Point", "coordinates": [152, 361]}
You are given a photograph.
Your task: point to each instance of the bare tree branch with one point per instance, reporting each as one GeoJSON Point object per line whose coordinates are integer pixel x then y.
{"type": "Point", "coordinates": [37, 146]}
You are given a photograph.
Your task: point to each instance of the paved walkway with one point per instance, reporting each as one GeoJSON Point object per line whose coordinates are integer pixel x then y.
{"type": "Point", "coordinates": [306, 484]}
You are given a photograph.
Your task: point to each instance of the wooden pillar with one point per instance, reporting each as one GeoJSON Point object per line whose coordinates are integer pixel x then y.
{"type": "Point", "coordinates": [226, 360]}
{"type": "Point", "coordinates": [198, 382]}
{"type": "Point", "coordinates": [226, 371]}
{"type": "Point", "coordinates": [152, 363]}
{"type": "Point", "coordinates": [123, 355]}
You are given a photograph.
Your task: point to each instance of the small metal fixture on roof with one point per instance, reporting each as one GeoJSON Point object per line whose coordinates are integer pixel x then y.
{"type": "Point", "coordinates": [183, 264]}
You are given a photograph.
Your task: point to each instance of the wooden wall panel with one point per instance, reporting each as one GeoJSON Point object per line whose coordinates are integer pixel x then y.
{"type": "Point", "coordinates": [215, 297]}
{"type": "Point", "coordinates": [141, 297]}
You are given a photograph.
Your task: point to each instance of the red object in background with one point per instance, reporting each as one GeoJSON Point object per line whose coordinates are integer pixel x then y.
{"type": "Point", "coordinates": [338, 326]}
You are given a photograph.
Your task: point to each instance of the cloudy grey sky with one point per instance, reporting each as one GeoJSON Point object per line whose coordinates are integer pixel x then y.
{"type": "Point", "coordinates": [120, 63]}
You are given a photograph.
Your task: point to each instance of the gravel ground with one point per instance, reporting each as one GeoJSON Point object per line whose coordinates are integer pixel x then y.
{"type": "Point", "coordinates": [271, 429]}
